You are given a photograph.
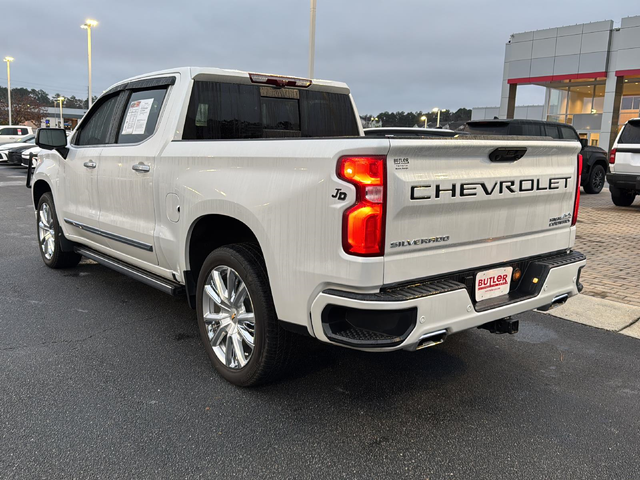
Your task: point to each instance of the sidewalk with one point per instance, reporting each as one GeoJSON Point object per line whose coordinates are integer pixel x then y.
{"type": "Point", "coordinates": [601, 313]}
{"type": "Point", "coordinates": [610, 238]}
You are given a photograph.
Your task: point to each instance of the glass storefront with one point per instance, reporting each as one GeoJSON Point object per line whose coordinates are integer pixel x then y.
{"type": "Point", "coordinates": [566, 104]}
{"type": "Point", "coordinates": [630, 104]}
{"type": "Point", "coordinates": [579, 105]}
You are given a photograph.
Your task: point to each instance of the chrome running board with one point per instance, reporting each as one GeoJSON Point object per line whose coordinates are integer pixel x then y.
{"type": "Point", "coordinates": [162, 284]}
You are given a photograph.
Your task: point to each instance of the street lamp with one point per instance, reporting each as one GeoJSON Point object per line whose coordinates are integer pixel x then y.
{"type": "Point", "coordinates": [9, 60]}
{"type": "Point", "coordinates": [312, 38]}
{"type": "Point", "coordinates": [61, 99]}
{"type": "Point", "coordinates": [87, 26]}
{"type": "Point", "coordinates": [436, 109]}
{"type": "Point", "coordinates": [424, 117]}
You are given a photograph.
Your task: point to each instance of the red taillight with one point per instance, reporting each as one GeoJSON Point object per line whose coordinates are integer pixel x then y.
{"type": "Point", "coordinates": [576, 205]}
{"type": "Point", "coordinates": [612, 156]}
{"type": "Point", "coordinates": [363, 223]}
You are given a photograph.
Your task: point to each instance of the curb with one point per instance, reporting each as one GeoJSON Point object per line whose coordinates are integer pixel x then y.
{"type": "Point", "coordinates": [600, 313]}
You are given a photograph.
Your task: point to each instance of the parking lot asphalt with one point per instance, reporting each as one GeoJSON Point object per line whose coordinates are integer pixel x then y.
{"type": "Point", "coordinates": [103, 377]}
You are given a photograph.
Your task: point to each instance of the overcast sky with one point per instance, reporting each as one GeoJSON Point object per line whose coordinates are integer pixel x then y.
{"type": "Point", "coordinates": [394, 54]}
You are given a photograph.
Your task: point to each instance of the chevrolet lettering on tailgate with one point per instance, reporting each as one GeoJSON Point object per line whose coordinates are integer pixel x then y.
{"type": "Point", "coordinates": [471, 189]}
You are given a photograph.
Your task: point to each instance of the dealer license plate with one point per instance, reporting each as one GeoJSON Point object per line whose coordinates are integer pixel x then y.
{"type": "Point", "coordinates": [493, 283]}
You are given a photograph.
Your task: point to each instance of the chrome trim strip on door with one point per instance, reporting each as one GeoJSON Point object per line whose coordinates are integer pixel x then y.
{"type": "Point", "coordinates": [111, 236]}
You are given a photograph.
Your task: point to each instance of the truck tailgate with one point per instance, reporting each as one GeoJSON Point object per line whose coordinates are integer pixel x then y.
{"type": "Point", "coordinates": [451, 208]}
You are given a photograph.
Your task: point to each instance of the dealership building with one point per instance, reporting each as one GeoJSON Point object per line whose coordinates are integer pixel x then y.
{"type": "Point", "coordinates": [591, 73]}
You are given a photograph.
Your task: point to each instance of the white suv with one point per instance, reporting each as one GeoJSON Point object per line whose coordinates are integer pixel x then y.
{"type": "Point", "coordinates": [624, 165]}
{"type": "Point", "coordinates": [13, 133]}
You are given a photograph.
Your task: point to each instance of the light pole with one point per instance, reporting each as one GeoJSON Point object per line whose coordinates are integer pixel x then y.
{"type": "Point", "coordinates": [312, 38]}
{"type": "Point", "coordinates": [61, 99]}
{"type": "Point", "coordinates": [87, 26]}
{"type": "Point", "coordinates": [9, 60]}
{"type": "Point", "coordinates": [424, 117]}
{"type": "Point", "coordinates": [436, 109]}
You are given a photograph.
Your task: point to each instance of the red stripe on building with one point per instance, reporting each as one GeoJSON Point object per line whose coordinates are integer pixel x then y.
{"type": "Point", "coordinates": [558, 78]}
{"type": "Point", "coordinates": [627, 73]}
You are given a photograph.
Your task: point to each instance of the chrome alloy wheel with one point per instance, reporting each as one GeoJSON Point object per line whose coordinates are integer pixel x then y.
{"type": "Point", "coordinates": [46, 232]}
{"type": "Point", "coordinates": [228, 317]}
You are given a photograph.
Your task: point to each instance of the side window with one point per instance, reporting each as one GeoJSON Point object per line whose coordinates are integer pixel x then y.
{"type": "Point", "coordinates": [515, 129]}
{"type": "Point", "coordinates": [551, 131]}
{"type": "Point", "coordinates": [12, 131]}
{"type": "Point", "coordinates": [630, 133]}
{"type": "Point", "coordinates": [141, 115]}
{"type": "Point", "coordinates": [223, 111]}
{"type": "Point", "coordinates": [531, 130]}
{"type": "Point", "coordinates": [95, 129]}
{"type": "Point", "coordinates": [569, 134]}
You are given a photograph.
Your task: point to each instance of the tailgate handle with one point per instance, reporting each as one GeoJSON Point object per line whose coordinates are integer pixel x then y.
{"type": "Point", "coordinates": [505, 154]}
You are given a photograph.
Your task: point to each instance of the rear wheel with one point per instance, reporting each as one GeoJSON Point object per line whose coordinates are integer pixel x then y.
{"type": "Point", "coordinates": [237, 319]}
{"type": "Point", "coordinates": [50, 236]}
{"type": "Point", "coordinates": [622, 198]}
{"type": "Point", "coordinates": [595, 182]}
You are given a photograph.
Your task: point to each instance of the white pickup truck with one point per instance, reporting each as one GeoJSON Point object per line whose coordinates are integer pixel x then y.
{"type": "Point", "coordinates": [258, 197]}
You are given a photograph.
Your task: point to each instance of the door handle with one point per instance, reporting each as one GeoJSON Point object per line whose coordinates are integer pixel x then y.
{"type": "Point", "coordinates": [141, 167]}
{"type": "Point", "coordinates": [90, 164]}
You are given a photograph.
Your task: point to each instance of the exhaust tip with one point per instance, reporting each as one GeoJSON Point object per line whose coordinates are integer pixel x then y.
{"type": "Point", "coordinates": [560, 300]}
{"type": "Point", "coordinates": [556, 302]}
{"type": "Point", "coordinates": [431, 339]}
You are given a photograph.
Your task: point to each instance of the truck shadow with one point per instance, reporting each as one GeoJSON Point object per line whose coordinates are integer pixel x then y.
{"type": "Point", "coordinates": [317, 370]}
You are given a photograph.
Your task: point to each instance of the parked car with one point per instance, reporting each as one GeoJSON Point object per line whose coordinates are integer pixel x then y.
{"type": "Point", "coordinates": [408, 132]}
{"type": "Point", "coordinates": [259, 199]}
{"type": "Point", "coordinates": [14, 154]}
{"type": "Point", "coordinates": [594, 159]}
{"type": "Point", "coordinates": [31, 139]}
{"type": "Point", "coordinates": [13, 133]}
{"type": "Point", "coordinates": [624, 165]}
{"type": "Point", "coordinates": [30, 156]}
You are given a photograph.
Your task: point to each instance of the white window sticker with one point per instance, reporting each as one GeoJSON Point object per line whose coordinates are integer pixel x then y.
{"type": "Point", "coordinates": [136, 121]}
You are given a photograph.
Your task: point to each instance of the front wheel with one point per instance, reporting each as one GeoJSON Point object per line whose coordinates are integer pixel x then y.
{"type": "Point", "coordinates": [50, 236]}
{"type": "Point", "coordinates": [595, 182]}
{"type": "Point", "coordinates": [237, 318]}
{"type": "Point", "coordinates": [622, 198]}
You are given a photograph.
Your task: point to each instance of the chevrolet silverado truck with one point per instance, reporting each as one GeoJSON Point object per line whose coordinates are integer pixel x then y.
{"type": "Point", "coordinates": [259, 199]}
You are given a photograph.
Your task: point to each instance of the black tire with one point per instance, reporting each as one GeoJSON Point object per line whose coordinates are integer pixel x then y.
{"type": "Point", "coordinates": [272, 344]}
{"type": "Point", "coordinates": [55, 258]}
{"type": "Point", "coordinates": [596, 179]}
{"type": "Point", "coordinates": [622, 198]}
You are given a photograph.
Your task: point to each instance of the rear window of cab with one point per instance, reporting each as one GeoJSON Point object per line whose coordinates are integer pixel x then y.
{"type": "Point", "coordinates": [219, 111]}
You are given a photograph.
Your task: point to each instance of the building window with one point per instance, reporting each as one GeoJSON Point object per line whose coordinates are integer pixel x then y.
{"type": "Point", "coordinates": [569, 105]}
